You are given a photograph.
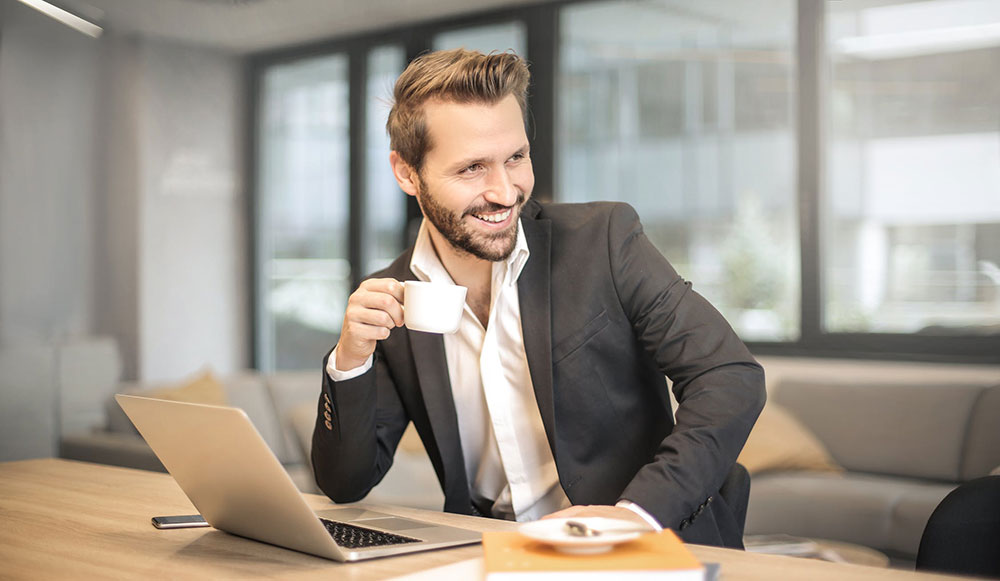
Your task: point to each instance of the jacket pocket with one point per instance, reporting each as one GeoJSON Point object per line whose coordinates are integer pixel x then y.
{"type": "Point", "coordinates": [579, 338]}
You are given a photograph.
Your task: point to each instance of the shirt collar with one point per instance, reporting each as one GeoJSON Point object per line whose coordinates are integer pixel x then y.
{"type": "Point", "coordinates": [426, 265]}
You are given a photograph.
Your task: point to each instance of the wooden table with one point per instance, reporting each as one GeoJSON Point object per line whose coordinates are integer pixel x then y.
{"type": "Point", "coordinates": [71, 520]}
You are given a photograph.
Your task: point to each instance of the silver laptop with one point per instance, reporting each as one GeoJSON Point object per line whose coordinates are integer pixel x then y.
{"type": "Point", "coordinates": [231, 476]}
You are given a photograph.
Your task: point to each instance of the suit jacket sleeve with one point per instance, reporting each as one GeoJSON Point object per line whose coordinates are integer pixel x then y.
{"type": "Point", "coordinates": [717, 383]}
{"type": "Point", "coordinates": [367, 420]}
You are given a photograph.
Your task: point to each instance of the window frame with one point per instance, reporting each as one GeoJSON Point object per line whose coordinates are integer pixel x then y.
{"type": "Point", "coordinates": [543, 34]}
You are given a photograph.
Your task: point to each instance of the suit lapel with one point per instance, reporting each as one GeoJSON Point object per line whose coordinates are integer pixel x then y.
{"type": "Point", "coordinates": [534, 289]}
{"type": "Point", "coordinates": [435, 387]}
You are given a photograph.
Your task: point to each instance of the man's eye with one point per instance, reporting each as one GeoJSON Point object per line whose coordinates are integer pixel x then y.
{"type": "Point", "coordinates": [473, 168]}
{"type": "Point", "coordinates": [517, 157]}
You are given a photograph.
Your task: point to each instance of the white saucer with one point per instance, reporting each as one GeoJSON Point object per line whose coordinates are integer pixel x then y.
{"type": "Point", "coordinates": [552, 532]}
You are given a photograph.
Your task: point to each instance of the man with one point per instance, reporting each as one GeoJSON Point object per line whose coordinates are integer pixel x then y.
{"type": "Point", "coordinates": [550, 400]}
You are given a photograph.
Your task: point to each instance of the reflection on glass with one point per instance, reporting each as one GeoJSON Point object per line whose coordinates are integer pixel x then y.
{"type": "Point", "coordinates": [687, 113]}
{"type": "Point", "coordinates": [303, 202]}
{"type": "Point", "coordinates": [385, 203]}
{"type": "Point", "coordinates": [913, 208]}
{"type": "Point", "coordinates": [486, 39]}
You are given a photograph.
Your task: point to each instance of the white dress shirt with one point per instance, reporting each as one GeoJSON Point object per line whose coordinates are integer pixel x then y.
{"type": "Point", "coordinates": [507, 457]}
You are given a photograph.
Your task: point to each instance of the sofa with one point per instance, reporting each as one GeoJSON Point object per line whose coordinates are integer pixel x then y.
{"type": "Point", "coordinates": [267, 399]}
{"type": "Point", "coordinates": [873, 448]}
{"type": "Point", "coordinates": [863, 452]}
{"type": "Point", "coordinates": [282, 406]}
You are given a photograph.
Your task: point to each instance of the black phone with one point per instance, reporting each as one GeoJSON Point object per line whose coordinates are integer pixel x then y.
{"type": "Point", "coordinates": [184, 521]}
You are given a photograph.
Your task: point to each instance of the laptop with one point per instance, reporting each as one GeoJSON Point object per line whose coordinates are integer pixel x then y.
{"type": "Point", "coordinates": [231, 476]}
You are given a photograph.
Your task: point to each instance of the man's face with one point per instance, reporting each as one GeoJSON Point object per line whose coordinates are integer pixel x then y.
{"type": "Point", "coordinates": [476, 176]}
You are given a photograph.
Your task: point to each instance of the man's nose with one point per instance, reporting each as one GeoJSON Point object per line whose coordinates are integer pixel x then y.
{"type": "Point", "coordinates": [501, 189]}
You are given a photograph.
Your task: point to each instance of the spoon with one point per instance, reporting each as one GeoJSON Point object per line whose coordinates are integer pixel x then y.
{"type": "Point", "coordinates": [575, 528]}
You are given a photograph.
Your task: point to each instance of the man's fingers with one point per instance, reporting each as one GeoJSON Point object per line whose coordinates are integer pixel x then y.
{"type": "Point", "coordinates": [373, 310]}
{"type": "Point", "coordinates": [384, 295]}
{"type": "Point", "coordinates": [375, 316]}
{"type": "Point", "coordinates": [389, 286]}
{"type": "Point", "coordinates": [364, 333]}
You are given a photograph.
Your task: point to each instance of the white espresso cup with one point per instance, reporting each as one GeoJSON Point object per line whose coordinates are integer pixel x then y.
{"type": "Point", "coordinates": [432, 307]}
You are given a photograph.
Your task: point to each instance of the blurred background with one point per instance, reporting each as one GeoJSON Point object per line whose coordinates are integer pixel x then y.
{"type": "Point", "coordinates": [205, 181]}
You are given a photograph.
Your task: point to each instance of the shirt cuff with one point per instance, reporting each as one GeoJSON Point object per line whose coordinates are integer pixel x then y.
{"type": "Point", "coordinates": [641, 512]}
{"type": "Point", "coordinates": [338, 375]}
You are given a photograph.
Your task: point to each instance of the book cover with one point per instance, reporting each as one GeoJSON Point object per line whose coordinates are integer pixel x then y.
{"type": "Point", "coordinates": [514, 557]}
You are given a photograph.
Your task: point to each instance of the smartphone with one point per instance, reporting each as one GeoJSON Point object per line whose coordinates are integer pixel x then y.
{"type": "Point", "coordinates": [184, 521]}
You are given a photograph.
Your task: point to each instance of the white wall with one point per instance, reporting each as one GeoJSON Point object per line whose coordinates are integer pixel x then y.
{"type": "Point", "coordinates": [48, 96]}
{"type": "Point", "coordinates": [122, 211]}
{"type": "Point", "coordinates": [192, 252]}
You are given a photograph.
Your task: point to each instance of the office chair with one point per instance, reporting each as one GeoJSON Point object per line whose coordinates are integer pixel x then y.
{"type": "Point", "coordinates": [962, 535]}
{"type": "Point", "coordinates": [736, 492]}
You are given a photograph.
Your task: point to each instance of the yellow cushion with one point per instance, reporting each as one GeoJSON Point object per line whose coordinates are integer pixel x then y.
{"type": "Point", "coordinates": [781, 442]}
{"type": "Point", "coordinates": [202, 388]}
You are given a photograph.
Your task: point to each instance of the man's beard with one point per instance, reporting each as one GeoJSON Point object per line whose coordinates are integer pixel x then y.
{"type": "Point", "coordinates": [494, 247]}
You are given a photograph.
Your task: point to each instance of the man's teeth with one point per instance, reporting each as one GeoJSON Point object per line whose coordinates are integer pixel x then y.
{"type": "Point", "coordinates": [493, 217]}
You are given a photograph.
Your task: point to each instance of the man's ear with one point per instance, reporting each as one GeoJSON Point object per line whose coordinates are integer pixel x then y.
{"type": "Point", "coordinates": [405, 175]}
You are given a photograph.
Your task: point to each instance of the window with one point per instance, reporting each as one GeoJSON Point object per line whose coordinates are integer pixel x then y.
{"type": "Point", "coordinates": [827, 173]}
{"type": "Point", "coordinates": [492, 37]}
{"type": "Point", "coordinates": [302, 245]}
{"type": "Point", "coordinates": [913, 206]}
{"type": "Point", "coordinates": [384, 202]}
{"type": "Point", "coordinates": [687, 114]}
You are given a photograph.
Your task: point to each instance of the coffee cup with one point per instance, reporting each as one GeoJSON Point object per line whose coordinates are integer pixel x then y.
{"type": "Point", "coordinates": [432, 307]}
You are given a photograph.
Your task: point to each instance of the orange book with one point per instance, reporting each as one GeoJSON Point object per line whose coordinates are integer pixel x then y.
{"type": "Point", "coordinates": [511, 556]}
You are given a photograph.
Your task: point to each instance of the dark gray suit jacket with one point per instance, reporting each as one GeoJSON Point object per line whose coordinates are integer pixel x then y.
{"type": "Point", "coordinates": [604, 318]}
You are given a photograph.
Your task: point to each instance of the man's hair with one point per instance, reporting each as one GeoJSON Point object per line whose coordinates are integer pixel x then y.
{"type": "Point", "coordinates": [456, 76]}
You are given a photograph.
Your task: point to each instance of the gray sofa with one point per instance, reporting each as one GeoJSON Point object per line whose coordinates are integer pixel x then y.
{"type": "Point", "coordinates": [269, 400]}
{"type": "Point", "coordinates": [282, 406]}
{"type": "Point", "coordinates": [903, 439]}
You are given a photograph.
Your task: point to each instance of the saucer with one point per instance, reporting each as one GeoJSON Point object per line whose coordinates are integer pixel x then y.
{"type": "Point", "coordinates": [552, 532]}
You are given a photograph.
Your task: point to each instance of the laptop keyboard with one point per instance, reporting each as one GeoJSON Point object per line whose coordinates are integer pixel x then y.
{"type": "Point", "coordinates": [355, 537]}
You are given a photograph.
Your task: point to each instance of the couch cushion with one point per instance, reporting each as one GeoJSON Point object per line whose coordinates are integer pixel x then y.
{"type": "Point", "coordinates": [29, 390]}
{"type": "Point", "coordinates": [89, 371]}
{"type": "Point", "coordinates": [203, 387]}
{"type": "Point", "coordinates": [289, 390]}
{"type": "Point", "coordinates": [901, 429]}
{"type": "Point", "coordinates": [982, 443]}
{"type": "Point", "coordinates": [778, 441]}
{"type": "Point", "coordinates": [246, 391]}
{"type": "Point", "coordinates": [882, 512]}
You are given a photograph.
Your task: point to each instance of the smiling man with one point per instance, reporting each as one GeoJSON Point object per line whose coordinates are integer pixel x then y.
{"type": "Point", "coordinates": [551, 398]}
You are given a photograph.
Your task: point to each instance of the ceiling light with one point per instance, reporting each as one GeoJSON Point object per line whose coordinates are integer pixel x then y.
{"type": "Point", "coordinates": [67, 18]}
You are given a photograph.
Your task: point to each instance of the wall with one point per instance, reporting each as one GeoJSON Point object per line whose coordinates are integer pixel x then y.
{"type": "Point", "coordinates": [48, 96]}
{"type": "Point", "coordinates": [192, 251]}
{"type": "Point", "coordinates": [122, 212]}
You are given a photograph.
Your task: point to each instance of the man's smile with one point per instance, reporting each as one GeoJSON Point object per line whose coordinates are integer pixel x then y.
{"type": "Point", "coordinates": [495, 217]}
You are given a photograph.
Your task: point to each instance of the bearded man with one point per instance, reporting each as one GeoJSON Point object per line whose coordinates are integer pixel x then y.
{"type": "Point", "coordinates": [551, 398]}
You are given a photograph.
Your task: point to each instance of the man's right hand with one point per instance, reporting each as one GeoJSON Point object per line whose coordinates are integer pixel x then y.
{"type": "Point", "coordinates": [372, 312]}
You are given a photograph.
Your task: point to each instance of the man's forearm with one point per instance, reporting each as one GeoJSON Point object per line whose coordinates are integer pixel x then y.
{"type": "Point", "coordinates": [710, 431]}
{"type": "Point", "coordinates": [344, 445]}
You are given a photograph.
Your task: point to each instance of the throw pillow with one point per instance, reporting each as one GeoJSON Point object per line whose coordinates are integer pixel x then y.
{"type": "Point", "coordinates": [779, 441]}
{"type": "Point", "coordinates": [202, 388]}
